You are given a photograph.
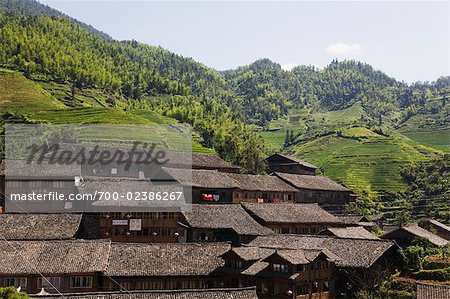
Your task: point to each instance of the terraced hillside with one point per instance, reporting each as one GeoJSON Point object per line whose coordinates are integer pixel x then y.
{"type": "Point", "coordinates": [362, 159]}
{"type": "Point", "coordinates": [36, 102]}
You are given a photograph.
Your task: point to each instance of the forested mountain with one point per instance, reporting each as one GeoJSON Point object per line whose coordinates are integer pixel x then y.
{"type": "Point", "coordinates": [33, 8]}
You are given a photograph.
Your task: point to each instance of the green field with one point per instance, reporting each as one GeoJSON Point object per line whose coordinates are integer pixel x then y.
{"type": "Point", "coordinates": [438, 139]}
{"type": "Point", "coordinates": [46, 102]}
{"type": "Point", "coordinates": [371, 164]}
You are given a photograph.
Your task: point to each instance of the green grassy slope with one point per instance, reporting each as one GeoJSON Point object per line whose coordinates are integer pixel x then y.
{"type": "Point", "coordinates": [362, 159]}
{"type": "Point", "coordinates": [47, 102]}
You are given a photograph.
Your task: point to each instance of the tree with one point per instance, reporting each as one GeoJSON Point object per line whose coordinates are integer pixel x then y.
{"type": "Point", "coordinates": [11, 293]}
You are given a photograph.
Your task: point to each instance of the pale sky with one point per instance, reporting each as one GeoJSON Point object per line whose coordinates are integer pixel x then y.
{"type": "Point", "coordinates": [407, 40]}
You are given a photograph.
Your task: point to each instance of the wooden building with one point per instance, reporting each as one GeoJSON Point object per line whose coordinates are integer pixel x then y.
{"type": "Point", "coordinates": [404, 236]}
{"type": "Point", "coordinates": [288, 164]}
{"type": "Point", "coordinates": [229, 293]}
{"type": "Point", "coordinates": [129, 220]}
{"type": "Point", "coordinates": [22, 178]}
{"type": "Point", "coordinates": [357, 220]}
{"type": "Point", "coordinates": [67, 265]}
{"type": "Point", "coordinates": [164, 266]}
{"type": "Point", "coordinates": [207, 186]}
{"type": "Point", "coordinates": [353, 258]}
{"type": "Point", "coordinates": [281, 273]}
{"type": "Point", "coordinates": [261, 188]}
{"type": "Point", "coordinates": [330, 195]}
{"type": "Point", "coordinates": [292, 218]}
{"type": "Point", "coordinates": [217, 223]}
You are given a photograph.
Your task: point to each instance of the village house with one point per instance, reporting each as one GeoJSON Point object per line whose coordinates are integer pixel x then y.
{"type": "Point", "coordinates": [213, 223]}
{"type": "Point", "coordinates": [164, 266]}
{"type": "Point", "coordinates": [438, 228]}
{"type": "Point", "coordinates": [405, 235]}
{"type": "Point", "coordinates": [261, 188]}
{"type": "Point", "coordinates": [288, 164]}
{"type": "Point", "coordinates": [236, 293]}
{"type": "Point", "coordinates": [126, 219]}
{"type": "Point", "coordinates": [207, 186]}
{"type": "Point", "coordinates": [292, 218]}
{"type": "Point", "coordinates": [330, 195]}
{"type": "Point", "coordinates": [39, 178]}
{"type": "Point", "coordinates": [363, 259]}
{"type": "Point", "coordinates": [281, 273]}
{"type": "Point", "coordinates": [66, 265]}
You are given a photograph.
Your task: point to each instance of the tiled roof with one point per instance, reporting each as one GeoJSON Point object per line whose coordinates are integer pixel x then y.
{"type": "Point", "coordinates": [251, 253]}
{"type": "Point", "coordinates": [296, 160]}
{"type": "Point", "coordinates": [356, 232]}
{"type": "Point", "coordinates": [256, 268]}
{"type": "Point", "coordinates": [39, 226]}
{"type": "Point", "coordinates": [261, 183]}
{"type": "Point", "coordinates": [311, 182]}
{"type": "Point", "coordinates": [201, 178]}
{"type": "Point", "coordinates": [241, 293]}
{"type": "Point", "coordinates": [226, 216]}
{"type": "Point", "coordinates": [417, 231]}
{"type": "Point", "coordinates": [20, 168]}
{"type": "Point", "coordinates": [355, 253]}
{"type": "Point", "coordinates": [432, 291]}
{"type": "Point", "coordinates": [171, 259]}
{"type": "Point", "coordinates": [297, 256]}
{"type": "Point", "coordinates": [351, 219]}
{"type": "Point", "coordinates": [53, 257]}
{"type": "Point", "coordinates": [122, 187]}
{"type": "Point", "coordinates": [290, 213]}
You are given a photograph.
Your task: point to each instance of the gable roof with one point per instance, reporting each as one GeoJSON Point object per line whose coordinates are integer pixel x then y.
{"type": "Point", "coordinates": [352, 219]}
{"type": "Point", "coordinates": [229, 293]}
{"type": "Point", "coordinates": [417, 231]}
{"type": "Point", "coordinates": [356, 232]}
{"type": "Point", "coordinates": [290, 213]}
{"type": "Point", "coordinates": [261, 183]}
{"type": "Point", "coordinates": [296, 256]}
{"type": "Point", "coordinates": [201, 178]}
{"type": "Point", "coordinates": [293, 159]}
{"type": "Point", "coordinates": [433, 291]}
{"type": "Point", "coordinates": [353, 253]}
{"type": "Point", "coordinates": [248, 253]}
{"type": "Point", "coordinates": [44, 170]}
{"type": "Point", "coordinates": [170, 259]}
{"type": "Point", "coordinates": [311, 182]}
{"type": "Point", "coordinates": [53, 257]}
{"type": "Point", "coordinates": [39, 226]}
{"type": "Point", "coordinates": [226, 216]}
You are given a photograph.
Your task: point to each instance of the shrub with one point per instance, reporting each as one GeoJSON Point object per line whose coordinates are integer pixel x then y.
{"type": "Point", "coordinates": [436, 274]}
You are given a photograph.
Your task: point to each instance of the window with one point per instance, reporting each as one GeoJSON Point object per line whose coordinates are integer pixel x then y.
{"type": "Point", "coordinates": [203, 237]}
{"type": "Point", "coordinates": [58, 184]}
{"type": "Point", "coordinates": [326, 286]}
{"type": "Point", "coordinates": [280, 268]}
{"type": "Point", "coordinates": [16, 282]}
{"type": "Point", "coordinates": [13, 184]}
{"type": "Point", "coordinates": [114, 170]}
{"type": "Point", "coordinates": [302, 289]}
{"type": "Point", "coordinates": [81, 282]}
{"type": "Point", "coordinates": [276, 289]}
{"type": "Point", "coordinates": [35, 184]}
{"type": "Point", "coordinates": [49, 282]}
